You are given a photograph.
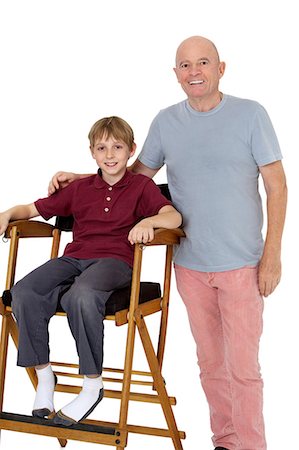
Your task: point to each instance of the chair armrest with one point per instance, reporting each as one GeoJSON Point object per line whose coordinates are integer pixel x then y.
{"type": "Point", "coordinates": [30, 228]}
{"type": "Point", "coordinates": [164, 236]}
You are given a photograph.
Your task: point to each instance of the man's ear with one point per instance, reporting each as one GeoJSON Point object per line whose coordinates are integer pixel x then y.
{"type": "Point", "coordinates": [222, 66]}
{"type": "Point", "coordinates": [176, 74]}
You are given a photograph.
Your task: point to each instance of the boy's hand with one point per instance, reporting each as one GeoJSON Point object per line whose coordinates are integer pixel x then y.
{"type": "Point", "coordinates": [4, 221]}
{"type": "Point", "coordinates": [142, 233]}
{"type": "Point", "coordinates": [60, 180]}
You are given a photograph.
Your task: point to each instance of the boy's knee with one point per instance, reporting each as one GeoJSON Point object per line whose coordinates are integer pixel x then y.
{"type": "Point", "coordinates": [21, 298]}
{"type": "Point", "coordinates": [82, 298]}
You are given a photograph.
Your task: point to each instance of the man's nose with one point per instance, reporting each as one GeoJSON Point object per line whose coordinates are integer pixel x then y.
{"type": "Point", "coordinates": [195, 68]}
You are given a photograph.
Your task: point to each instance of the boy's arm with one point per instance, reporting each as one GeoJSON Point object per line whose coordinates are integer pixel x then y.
{"type": "Point", "coordinates": [16, 213]}
{"type": "Point", "coordinates": [143, 231]}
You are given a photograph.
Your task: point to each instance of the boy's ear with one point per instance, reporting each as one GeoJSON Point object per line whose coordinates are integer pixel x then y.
{"type": "Point", "coordinates": [133, 150]}
{"type": "Point", "coordinates": [91, 151]}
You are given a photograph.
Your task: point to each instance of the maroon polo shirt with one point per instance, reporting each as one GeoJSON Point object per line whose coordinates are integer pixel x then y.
{"type": "Point", "coordinates": [104, 214]}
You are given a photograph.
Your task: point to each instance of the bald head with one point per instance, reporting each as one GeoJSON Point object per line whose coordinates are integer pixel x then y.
{"type": "Point", "coordinates": [194, 43]}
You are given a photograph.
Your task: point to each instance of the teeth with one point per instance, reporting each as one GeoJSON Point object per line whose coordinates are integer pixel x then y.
{"type": "Point", "coordinates": [196, 82]}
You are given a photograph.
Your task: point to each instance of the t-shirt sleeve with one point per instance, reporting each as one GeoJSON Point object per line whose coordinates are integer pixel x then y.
{"type": "Point", "coordinates": [151, 154]}
{"type": "Point", "coordinates": [58, 204]}
{"type": "Point", "coordinates": [151, 200]}
{"type": "Point", "coordinates": [265, 145]}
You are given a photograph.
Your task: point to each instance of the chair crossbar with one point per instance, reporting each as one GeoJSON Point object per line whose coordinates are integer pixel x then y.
{"type": "Point", "coordinates": [80, 432]}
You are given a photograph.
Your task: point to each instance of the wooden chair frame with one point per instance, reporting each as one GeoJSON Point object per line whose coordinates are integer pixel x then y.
{"type": "Point", "coordinates": [114, 434]}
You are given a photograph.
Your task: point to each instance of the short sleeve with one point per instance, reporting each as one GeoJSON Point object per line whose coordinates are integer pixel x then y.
{"type": "Point", "coordinates": [151, 154]}
{"type": "Point", "coordinates": [265, 145]}
{"type": "Point", "coordinates": [58, 204]}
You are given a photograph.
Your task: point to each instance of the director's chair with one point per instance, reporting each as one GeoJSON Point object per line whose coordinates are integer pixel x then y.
{"type": "Point", "coordinates": [128, 306]}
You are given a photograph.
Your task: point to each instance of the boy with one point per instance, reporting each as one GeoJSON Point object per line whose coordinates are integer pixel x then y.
{"type": "Point", "coordinates": [106, 208]}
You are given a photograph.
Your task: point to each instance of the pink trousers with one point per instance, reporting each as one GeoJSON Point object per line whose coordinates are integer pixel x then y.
{"type": "Point", "coordinates": [225, 313]}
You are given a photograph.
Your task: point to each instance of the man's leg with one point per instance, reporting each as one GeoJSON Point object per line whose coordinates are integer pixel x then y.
{"type": "Point", "coordinates": [201, 300]}
{"type": "Point", "coordinates": [241, 307]}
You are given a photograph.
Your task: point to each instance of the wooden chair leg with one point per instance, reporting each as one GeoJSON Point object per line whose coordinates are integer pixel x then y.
{"type": "Point", "coordinates": [3, 356]}
{"type": "Point", "coordinates": [165, 305]}
{"type": "Point", "coordinates": [124, 404]}
{"type": "Point", "coordinates": [158, 379]}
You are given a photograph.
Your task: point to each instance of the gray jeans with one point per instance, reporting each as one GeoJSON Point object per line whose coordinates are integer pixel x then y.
{"type": "Point", "coordinates": [83, 286]}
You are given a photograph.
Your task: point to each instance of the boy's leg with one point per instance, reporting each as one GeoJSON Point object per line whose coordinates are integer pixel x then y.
{"type": "Point", "coordinates": [34, 302]}
{"type": "Point", "coordinates": [201, 301]}
{"type": "Point", "coordinates": [84, 304]}
{"type": "Point", "coordinates": [44, 397]}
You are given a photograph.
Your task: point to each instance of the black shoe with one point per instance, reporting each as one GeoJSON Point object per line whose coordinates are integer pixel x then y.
{"type": "Point", "coordinates": [62, 419]}
{"type": "Point", "coordinates": [43, 412]}
{"type": "Point", "coordinates": [221, 448]}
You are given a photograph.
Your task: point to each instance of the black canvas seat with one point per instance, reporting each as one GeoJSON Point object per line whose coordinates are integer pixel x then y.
{"type": "Point", "coordinates": [118, 301]}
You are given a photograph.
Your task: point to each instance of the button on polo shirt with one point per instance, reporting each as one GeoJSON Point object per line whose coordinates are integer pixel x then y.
{"type": "Point", "coordinates": [104, 214]}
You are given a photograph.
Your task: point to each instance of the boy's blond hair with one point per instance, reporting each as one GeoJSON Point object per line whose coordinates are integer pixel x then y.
{"type": "Point", "coordinates": [114, 127]}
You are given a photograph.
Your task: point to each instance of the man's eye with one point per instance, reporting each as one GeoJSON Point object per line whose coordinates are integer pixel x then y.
{"type": "Point", "coordinates": [203, 63]}
{"type": "Point", "coordinates": [184, 66]}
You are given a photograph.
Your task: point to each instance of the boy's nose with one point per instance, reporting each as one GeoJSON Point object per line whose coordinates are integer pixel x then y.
{"type": "Point", "coordinates": [110, 153]}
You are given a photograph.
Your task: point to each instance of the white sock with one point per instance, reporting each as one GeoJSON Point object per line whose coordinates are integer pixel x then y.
{"type": "Point", "coordinates": [89, 394]}
{"type": "Point", "coordinates": [45, 389]}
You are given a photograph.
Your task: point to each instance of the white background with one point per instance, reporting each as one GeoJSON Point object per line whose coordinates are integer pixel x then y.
{"type": "Point", "coordinates": [67, 63]}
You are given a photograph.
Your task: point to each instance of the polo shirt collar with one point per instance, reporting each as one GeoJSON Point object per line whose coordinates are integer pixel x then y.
{"type": "Point", "coordinates": [99, 183]}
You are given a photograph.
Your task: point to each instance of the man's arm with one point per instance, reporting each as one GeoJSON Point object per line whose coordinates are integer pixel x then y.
{"type": "Point", "coordinates": [139, 167]}
{"type": "Point", "coordinates": [276, 191]}
{"type": "Point", "coordinates": [143, 231]}
{"type": "Point", "coordinates": [16, 213]}
{"type": "Point", "coordinates": [62, 179]}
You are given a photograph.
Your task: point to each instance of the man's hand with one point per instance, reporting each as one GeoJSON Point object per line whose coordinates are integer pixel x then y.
{"type": "Point", "coordinates": [269, 273]}
{"type": "Point", "coordinates": [142, 232]}
{"type": "Point", "coordinates": [61, 180]}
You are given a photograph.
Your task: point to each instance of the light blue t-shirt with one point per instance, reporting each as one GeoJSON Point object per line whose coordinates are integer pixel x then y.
{"type": "Point", "coordinates": [212, 161]}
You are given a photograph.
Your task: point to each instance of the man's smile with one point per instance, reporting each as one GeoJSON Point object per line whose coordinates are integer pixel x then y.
{"type": "Point", "coordinates": [196, 82]}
